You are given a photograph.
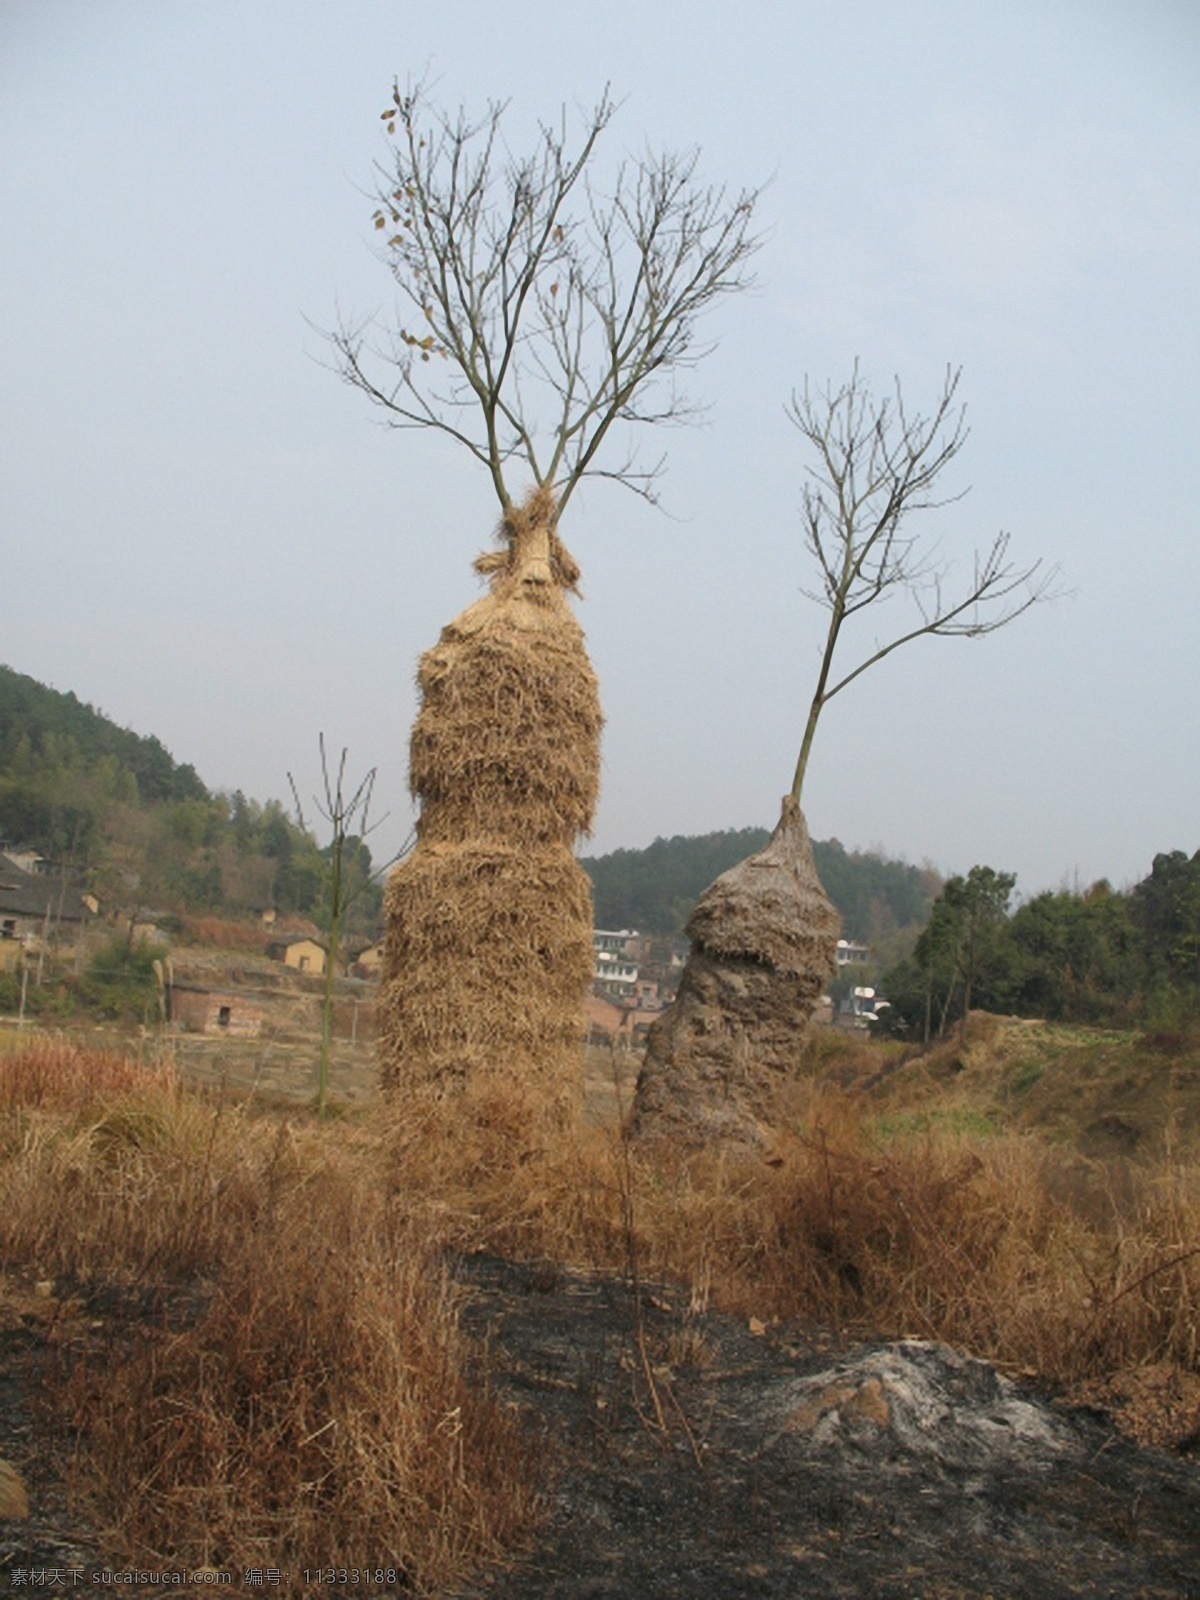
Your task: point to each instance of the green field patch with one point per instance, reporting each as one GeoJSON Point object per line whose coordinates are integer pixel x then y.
{"type": "Point", "coordinates": [965, 1121]}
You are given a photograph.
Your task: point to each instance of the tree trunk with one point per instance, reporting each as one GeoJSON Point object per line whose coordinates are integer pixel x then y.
{"type": "Point", "coordinates": [487, 948]}
{"type": "Point", "coordinates": [764, 938]}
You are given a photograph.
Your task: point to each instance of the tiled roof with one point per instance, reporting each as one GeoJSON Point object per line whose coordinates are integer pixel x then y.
{"type": "Point", "coordinates": [25, 894]}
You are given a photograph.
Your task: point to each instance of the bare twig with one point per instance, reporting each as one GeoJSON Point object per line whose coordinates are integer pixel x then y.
{"type": "Point", "coordinates": [874, 462]}
{"type": "Point", "coordinates": [545, 310]}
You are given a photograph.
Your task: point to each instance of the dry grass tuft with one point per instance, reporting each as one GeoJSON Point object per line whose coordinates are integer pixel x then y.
{"type": "Point", "coordinates": [318, 1408]}
{"type": "Point", "coordinates": [55, 1073]}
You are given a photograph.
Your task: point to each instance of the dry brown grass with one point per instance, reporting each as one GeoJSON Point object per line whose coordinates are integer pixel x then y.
{"type": "Point", "coordinates": [993, 1244]}
{"type": "Point", "coordinates": [50, 1072]}
{"type": "Point", "coordinates": [283, 1377]}
{"type": "Point", "coordinates": [222, 933]}
{"type": "Point", "coordinates": [279, 1378]}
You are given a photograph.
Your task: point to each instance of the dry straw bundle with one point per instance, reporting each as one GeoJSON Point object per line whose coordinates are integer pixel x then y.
{"type": "Point", "coordinates": [763, 942]}
{"type": "Point", "coordinates": [488, 942]}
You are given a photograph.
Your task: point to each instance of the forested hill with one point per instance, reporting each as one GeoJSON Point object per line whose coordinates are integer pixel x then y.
{"type": "Point", "coordinates": [139, 828]}
{"type": "Point", "coordinates": [654, 889]}
{"type": "Point", "coordinates": [41, 723]}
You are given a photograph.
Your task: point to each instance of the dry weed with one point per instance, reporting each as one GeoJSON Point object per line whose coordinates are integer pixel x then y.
{"type": "Point", "coordinates": [56, 1073]}
{"type": "Point", "coordinates": [317, 1409]}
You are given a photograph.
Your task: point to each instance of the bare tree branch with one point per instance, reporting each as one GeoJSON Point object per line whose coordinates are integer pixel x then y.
{"type": "Point", "coordinates": [542, 310]}
{"type": "Point", "coordinates": [874, 463]}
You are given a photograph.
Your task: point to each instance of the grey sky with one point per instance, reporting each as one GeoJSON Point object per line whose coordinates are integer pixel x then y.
{"type": "Point", "coordinates": [209, 537]}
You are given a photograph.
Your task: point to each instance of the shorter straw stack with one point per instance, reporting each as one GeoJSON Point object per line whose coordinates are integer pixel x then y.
{"type": "Point", "coordinates": [764, 940]}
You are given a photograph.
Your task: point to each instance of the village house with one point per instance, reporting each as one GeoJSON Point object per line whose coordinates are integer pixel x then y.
{"type": "Point", "coordinates": [36, 902]}
{"type": "Point", "coordinates": [613, 975]}
{"type": "Point", "coordinates": [623, 1027]}
{"type": "Point", "coordinates": [25, 860]}
{"type": "Point", "coordinates": [614, 972]}
{"type": "Point", "coordinates": [146, 927]}
{"type": "Point", "coordinates": [228, 1011]}
{"type": "Point", "coordinates": [647, 994]}
{"type": "Point", "coordinates": [300, 951]}
{"type": "Point", "coordinates": [367, 963]}
{"type": "Point", "coordinates": [861, 1007]}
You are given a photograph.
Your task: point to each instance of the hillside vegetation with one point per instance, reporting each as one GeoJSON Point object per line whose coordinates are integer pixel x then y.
{"type": "Point", "coordinates": [655, 889]}
{"type": "Point", "coordinates": [140, 829]}
{"type": "Point", "coordinates": [43, 731]}
{"type": "Point", "coordinates": [143, 830]}
{"type": "Point", "coordinates": [1104, 1094]}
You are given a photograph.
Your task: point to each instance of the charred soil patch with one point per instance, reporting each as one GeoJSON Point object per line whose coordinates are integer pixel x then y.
{"type": "Point", "coordinates": [791, 1465]}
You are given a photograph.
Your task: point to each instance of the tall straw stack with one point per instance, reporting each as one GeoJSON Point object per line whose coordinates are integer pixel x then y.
{"type": "Point", "coordinates": [764, 939]}
{"type": "Point", "coordinates": [487, 950]}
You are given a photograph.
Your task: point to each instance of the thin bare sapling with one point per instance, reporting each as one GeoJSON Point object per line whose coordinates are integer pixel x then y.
{"type": "Point", "coordinates": [346, 812]}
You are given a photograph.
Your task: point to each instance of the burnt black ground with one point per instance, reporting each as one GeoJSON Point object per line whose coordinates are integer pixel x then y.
{"type": "Point", "coordinates": [53, 1539]}
{"type": "Point", "coordinates": [738, 1509]}
{"type": "Point", "coordinates": [727, 1504]}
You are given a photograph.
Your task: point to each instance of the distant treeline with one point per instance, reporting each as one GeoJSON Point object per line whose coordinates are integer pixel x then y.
{"type": "Point", "coordinates": [655, 889]}
{"type": "Point", "coordinates": [142, 830]}
{"type": "Point", "coordinates": [1113, 959]}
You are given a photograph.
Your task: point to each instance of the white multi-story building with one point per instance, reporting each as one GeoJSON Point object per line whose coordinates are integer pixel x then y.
{"type": "Point", "coordinates": [614, 973]}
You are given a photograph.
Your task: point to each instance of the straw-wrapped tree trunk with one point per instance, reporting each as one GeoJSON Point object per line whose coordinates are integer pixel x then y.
{"type": "Point", "coordinates": [553, 312]}
{"type": "Point", "coordinates": [764, 936]}
{"type": "Point", "coordinates": [487, 952]}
